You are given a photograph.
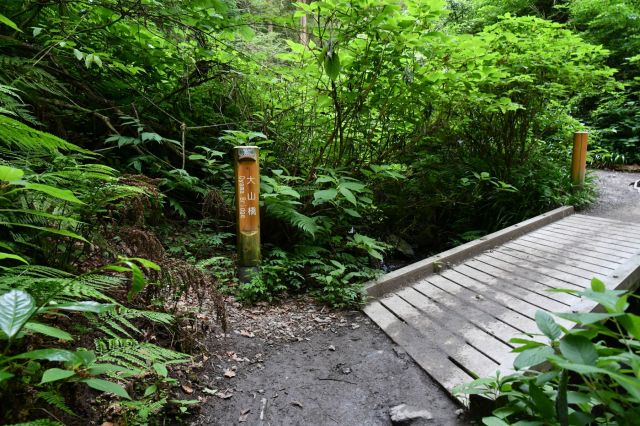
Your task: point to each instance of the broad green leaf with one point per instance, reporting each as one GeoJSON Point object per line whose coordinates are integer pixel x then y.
{"type": "Point", "coordinates": [55, 374]}
{"type": "Point", "coordinates": [5, 375]}
{"type": "Point", "coordinates": [332, 64]}
{"type": "Point", "coordinates": [325, 195]}
{"type": "Point", "coordinates": [10, 174]}
{"type": "Point", "coordinates": [62, 194]}
{"type": "Point", "coordinates": [16, 307]}
{"type": "Point", "coordinates": [8, 22]}
{"type": "Point", "coordinates": [352, 212]}
{"type": "Point", "coordinates": [105, 386]}
{"type": "Point", "coordinates": [532, 357]}
{"type": "Point", "coordinates": [597, 286]}
{"type": "Point", "coordinates": [543, 403]}
{"type": "Point", "coordinates": [348, 195]}
{"type": "Point", "coordinates": [13, 257]}
{"type": "Point", "coordinates": [61, 355]}
{"type": "Point", "coordinates": [78, 54]}
{"type": "Point", "coordinates": [494, 421]}
{"type": "Point", "coordinates": [578, 349]}
{"type": "Point", "coordinates": [47, 330]}
{"type": "Point", "coordinates": [547, 325]}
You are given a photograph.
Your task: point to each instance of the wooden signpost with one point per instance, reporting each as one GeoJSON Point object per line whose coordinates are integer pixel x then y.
{"type": "Point", "coordinates": [579, 158]}
{"type": "Point", "coordinates": [247, 170]}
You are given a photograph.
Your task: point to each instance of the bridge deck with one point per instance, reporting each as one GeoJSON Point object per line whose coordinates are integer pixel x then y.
{"type": "Point", "coordinates": [457, 323]}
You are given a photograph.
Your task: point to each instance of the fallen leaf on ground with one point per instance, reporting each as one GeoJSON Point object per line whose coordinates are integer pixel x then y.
{"type": "Point", "coordinates": [244, 415]}
{"type": "Point", "coordinates": [297, 404]}
{"type": "Point", "coordinates": [246, 333]}
{"type": "Point", "coordinates": [332, 348]}
{"type": "Point", "coordinates": [210, 391]}
{"type": "Point", "coordinates": [224, 395]}
{"type": "Point", "coordinates": [187, 388]}
{"type": "Point", "coordinates": [229, 373]}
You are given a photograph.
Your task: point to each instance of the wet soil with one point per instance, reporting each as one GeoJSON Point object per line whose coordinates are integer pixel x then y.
{"type": "Point", "coordinates": [303, 365]}
{"type": "Point", "coordinates": [617, 197]}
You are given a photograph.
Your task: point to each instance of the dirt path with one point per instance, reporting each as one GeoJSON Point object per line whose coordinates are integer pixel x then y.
{"type": "Point", "coordinates": [617, 199]}
{"type": "Point", "coordinates": [302, 365]}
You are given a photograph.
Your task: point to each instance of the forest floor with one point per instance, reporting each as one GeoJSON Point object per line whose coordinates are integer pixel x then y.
{"type": "Point", "coordinates": [299, 363]}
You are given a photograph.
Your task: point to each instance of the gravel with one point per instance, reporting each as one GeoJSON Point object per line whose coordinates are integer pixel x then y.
{"type": "Point", "coordinates": [617, 198]}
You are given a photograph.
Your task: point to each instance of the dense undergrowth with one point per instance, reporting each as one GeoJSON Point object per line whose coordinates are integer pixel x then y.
{"type": "Point", "coordinates": [387, 129]}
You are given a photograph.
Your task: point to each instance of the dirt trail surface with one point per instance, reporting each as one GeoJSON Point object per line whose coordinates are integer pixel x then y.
{"type": "Point", "coordinates": [617, 198]}
{"type": "Point", "coordinates": [298, 363]}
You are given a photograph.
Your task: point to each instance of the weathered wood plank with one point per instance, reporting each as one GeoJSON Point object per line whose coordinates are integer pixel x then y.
{"type": "Point", "coordinates": [500, 279]}
{"type": "Point", "coordinates": [627, 277]}
{"type": "Point", "coordinates": [568, 251]}
{"type": "Point", "coordinates": [455, 346]}
{"type": "Point", "coordinates": [409, 274]}
{"type": "Point", "coordinates": [491, 307]}
{"type": "Point", "coordinates": [599, 229]}
{"type": "Point", "coordinates": [525, 307]}
{"type": "Point", "coordinates": [593, 235]}
{"type": "Point", "coordinates": [545, 256]}
{"type": "Point", "coordinates": [589, 238]}
{"type": "Point", "coordinates": [557, 264]}
{"type": "Point", "coordinates": [484, 263]}
{"type": "Point", "coordinates": [457, 324]}
{"type": "Point", "coordinates": [525, 266]}
{"type": "Point", "coordinates": [632, 228]}
{"type": "Point", "coordinates": [594, 249]}
{"type": "Point", "coordinates": [424, 351]}
{"type": "Point", "coordinates": [455, 306]}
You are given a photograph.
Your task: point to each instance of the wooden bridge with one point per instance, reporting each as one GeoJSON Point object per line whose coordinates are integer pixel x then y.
{"type": "Point", "coordinates": [456, 312]}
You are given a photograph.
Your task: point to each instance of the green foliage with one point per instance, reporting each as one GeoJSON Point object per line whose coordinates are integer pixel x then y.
{"type": "Point", "coordinates": [593, 369]}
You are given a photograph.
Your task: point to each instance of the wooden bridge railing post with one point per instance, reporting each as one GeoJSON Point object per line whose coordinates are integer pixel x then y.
{"type": "Point", "coordinates": [247, 171]}
{"type": "Point", "coordinates": [579, 158]}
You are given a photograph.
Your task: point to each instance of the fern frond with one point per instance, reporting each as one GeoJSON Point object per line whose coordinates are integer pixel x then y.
{"type": "Point", "coordinates": [132, 354]}
{"type": "Point", "coordinates": [17, 135]}
{"type": "Point", "coordinates": [55, 399]}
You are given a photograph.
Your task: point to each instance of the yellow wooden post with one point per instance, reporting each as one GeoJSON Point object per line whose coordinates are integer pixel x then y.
{"type": "Point", "coordinates": [247, 170]}
{"type": "Point", "coordinates": [579, 158]}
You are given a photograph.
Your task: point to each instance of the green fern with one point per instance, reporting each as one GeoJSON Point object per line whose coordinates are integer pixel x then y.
{"type": "Point", "coordinates": [132, 354]}
{"type": "Point", "coordinates": [16, 135]}
{"type": "Point", "coordinates": [55, 399]}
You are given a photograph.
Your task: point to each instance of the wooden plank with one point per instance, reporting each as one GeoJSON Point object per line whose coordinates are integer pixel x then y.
{"type": "Point", "coordinates": [496, 309]}
{"type": "Point", "coordinates": [525, 266]}
{"type": "Point", "coordinates": [498, 277]}
{"type": "Point", "coordinates": [630, 227]}
{"type": "Point", "coordinates": [623, 228]}
{"type": "Point", "coordinates": [581, 244]}
{"type": "Point", "coordinates": [558, 264]}
{"type": "Point", "coordinates": [570, 251]}
{"type": "Point", "coordinates": [593, 227]}
{"type": "Point", "coordinates": [411, 273]}
{"type": "Point", "coordinates": [590, 239]}
{"type": "Point", "coordinates": [592, 235]}
{"type": "Point", "coordinates": [457, 324]}
{"type": "Point", "coordinates": [520, 292]}
{"type": "Point", "coordinates": [489, 323]}
{"type": "Point", "coordinates": [484, 291]}
{"type": "Point", "coordinates": [456, 347]}
{"type": "Point", "coordinates": [627, 277]}
{"type": "Point", "coordinates": [486, 262]}
{"type": "Point", "coordinates": [424, 351]}
{"type": "Point", "coordinates": [544, 255]}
